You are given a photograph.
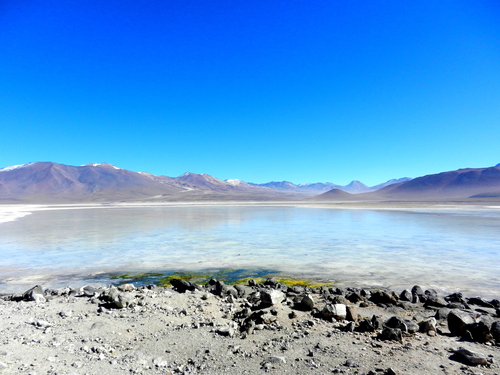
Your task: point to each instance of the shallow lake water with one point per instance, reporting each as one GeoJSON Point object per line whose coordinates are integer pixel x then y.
{"type": "Point", "coordinates": [446, 249]}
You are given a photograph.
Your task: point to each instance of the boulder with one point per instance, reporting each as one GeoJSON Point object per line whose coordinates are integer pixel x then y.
{"type": "Point", "coordinates": [365, 325]}
{"type": "Point", "coordinates": [480, 302]}
{"type": "Point", "coordinates": [435, 301]}
{"type": "Point", "coordinates": [352, 313]}
{"type": "Point", "coordinates": [126, 287]}
{"type": "Point", "coordinates": [455, 298]}
{"type": "Point", "coordinates": [495, 331]}
{"type": "Point", "coordinates": [354, 297]}
{"type": "Point", "coordinates": [382, 297]}
{"type": "Point", "coordinates": [243, 290]}
{"type": "Point", "coordinates": [307, 302]}
{"type": "Point", "coordinates": [182, 286]}
{"type": "Point", "coordinates": [396, 322]}
{"type": "Point", "coordinates": [34, 294]}
{"type": "Point", "coordinates": [417, 290]}
{"type": "Point", "coordinates": [89, 291]}
{"type": "Point", "coordinates": [406, 296]}
{"type": "Point", "coordinates": [442, 313]}
{"type": "Point", "coordinates": [469, 357]}
{"type": "Point", "coordinates": [271, 297]}
{"type": "Point", "coordinates": [391, 334]}
{"type": "Point", "coordinates": [480, 332]}
{"type": "Point", "coordinates": [334, 311]}
{"type": "Point", "coordinates": [458, 321]}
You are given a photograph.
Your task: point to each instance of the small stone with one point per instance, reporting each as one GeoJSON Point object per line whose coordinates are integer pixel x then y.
{"type": "Point", "coordinates": [428, 325]}
{"type": "Point", "coordinates": [126, 287]}
{"type": "Point", "coordinates": [66, 313]}
{"type": "Point", "coordinates": [275, 360]}
{"type": "Point", "coordinates": [42, 324]}
{"type": "Point", "coordinates": [160, 362]}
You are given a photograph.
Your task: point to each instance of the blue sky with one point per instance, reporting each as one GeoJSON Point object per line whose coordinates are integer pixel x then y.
{"type": "Point", "coordinates": [302, 91]}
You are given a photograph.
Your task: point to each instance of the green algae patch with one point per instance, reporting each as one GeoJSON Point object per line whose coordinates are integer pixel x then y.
{"type": "Point", "coordinates": [228, 276]}
{"type": "Point", "coordinates": [311, 283]}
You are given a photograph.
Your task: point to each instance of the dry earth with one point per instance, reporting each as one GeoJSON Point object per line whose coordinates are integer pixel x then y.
{"type": "Point", "coordinates": [156, 330]}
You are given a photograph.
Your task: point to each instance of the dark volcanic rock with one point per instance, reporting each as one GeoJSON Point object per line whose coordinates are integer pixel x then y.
{"type": "Point", "coordinates": [391, 334]}
{"type": "Point", "coordinates": [182, 285]}
{"type": "Point", "coordinates": [469, 357]}
{"type": "Point", "coordinates": [382, 297]}
{"type": "Point", "coordinates": [495, 331]}
{"type": "Point", "coordinates": [406, 296]}
{"type": "Point", "coordinates": [480, 332]}
{"type": "Point", "coordinates": [442, 313]}
{"type": "Point", "coordinates": [396, 322]}
{"type": "Point", "coordinates": [435, 301]}
{"type": "Point", "coordinates": [458, 321]}
{"type": "Point", "coordinates": [480, 302]}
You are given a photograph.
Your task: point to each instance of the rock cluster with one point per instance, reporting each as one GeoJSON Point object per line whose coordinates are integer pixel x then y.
{"type": "Point", "coordinates": [268, 327]}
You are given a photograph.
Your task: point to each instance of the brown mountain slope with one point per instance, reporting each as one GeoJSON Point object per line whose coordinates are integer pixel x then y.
{"type": "Point", "coordinates": [50, 182]}
{"type": "Point", "coordinates": [462, 183]}
{"type": "Point", "coordinates": [46, 182]}
{"type": "Point", "coordinates": [459, 184]}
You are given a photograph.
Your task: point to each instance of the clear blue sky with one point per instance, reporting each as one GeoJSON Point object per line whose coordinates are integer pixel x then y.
{"type": "Point", "coordinates": [294, 90]}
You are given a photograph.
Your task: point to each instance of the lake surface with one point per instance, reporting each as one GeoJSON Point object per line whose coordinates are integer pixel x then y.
{"type": "Point", "coordinates": [442, 248]}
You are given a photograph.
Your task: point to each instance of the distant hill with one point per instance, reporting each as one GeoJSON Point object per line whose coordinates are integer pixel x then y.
{"type": "Point", "coordinates": [336, 195]}
{"type": "Point", "coordinates": [459, 184]}
{"type": "Point", "coordinates": [51, 182]}
{"type": "Point", "coordinates": [46, 182]}
{"type": "Point", "coordinates": [354, 187]}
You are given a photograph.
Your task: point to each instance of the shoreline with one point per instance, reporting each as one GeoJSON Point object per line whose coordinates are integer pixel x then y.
{"type": "Point", "coordinates": [15, 211]}
{"type": "Point", "coordinates": [154, 278]}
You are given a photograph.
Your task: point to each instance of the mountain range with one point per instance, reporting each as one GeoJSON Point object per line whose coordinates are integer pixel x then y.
{"type": "Point", "coordinates": [464, 183]}
{"type": "Point", "coordinates": [46, 182]}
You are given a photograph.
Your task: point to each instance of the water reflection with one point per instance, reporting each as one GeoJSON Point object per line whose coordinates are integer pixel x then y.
{"type": "Point", "coordinates": [455, 249]}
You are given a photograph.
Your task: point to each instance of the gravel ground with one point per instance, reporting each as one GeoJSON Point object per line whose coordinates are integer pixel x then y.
{"type": "Point", "coordinates": [157, 330]}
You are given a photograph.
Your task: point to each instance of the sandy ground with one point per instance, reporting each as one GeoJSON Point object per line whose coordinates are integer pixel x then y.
{"type": "Point", "coordinates": [167, 332]}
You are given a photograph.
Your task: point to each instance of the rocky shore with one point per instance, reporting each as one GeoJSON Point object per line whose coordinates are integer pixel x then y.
{"type": "Point", "coordinates": [246, 329]}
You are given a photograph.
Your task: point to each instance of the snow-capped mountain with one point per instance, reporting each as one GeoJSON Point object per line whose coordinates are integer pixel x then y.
{"type": "Point", "coordinates": [46, 182]}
